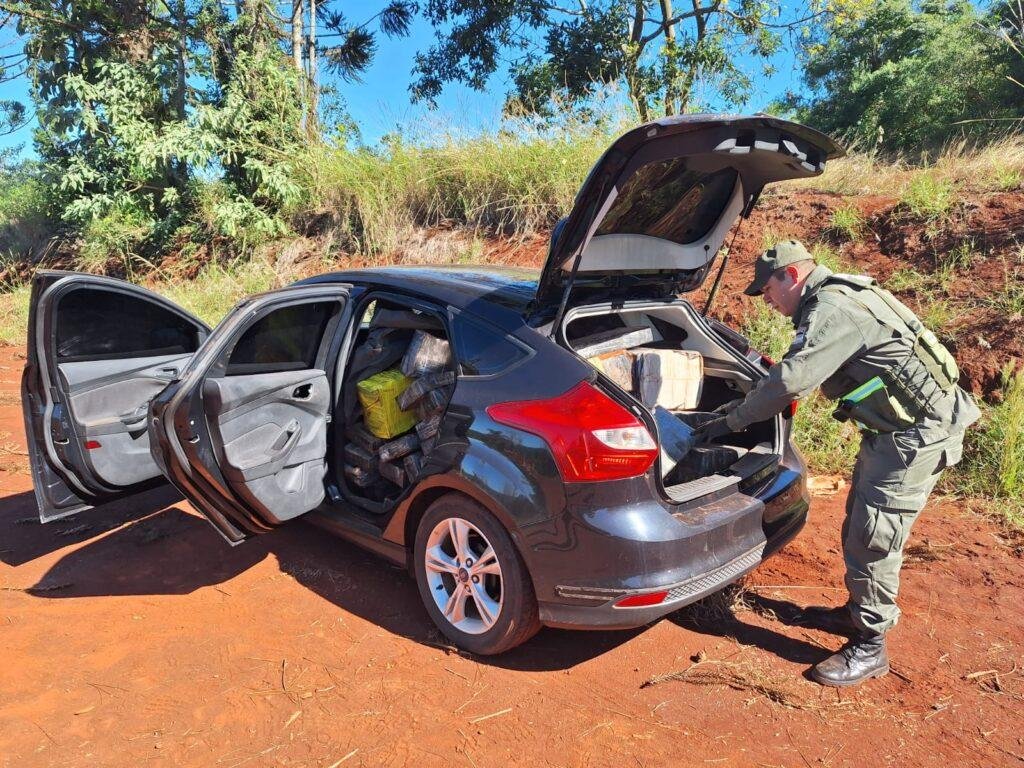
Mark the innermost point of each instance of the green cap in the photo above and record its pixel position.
(784, 253)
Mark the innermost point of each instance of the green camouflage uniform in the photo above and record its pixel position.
(844, 339)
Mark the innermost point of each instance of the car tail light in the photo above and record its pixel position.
(792, 408)
(591, 436)
(92, 445)
(639, 601)
(766, 361)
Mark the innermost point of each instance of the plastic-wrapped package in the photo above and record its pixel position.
(609, 341)
(702, 461)
(427, 444)
(426, 354)
(671, 378)
(675, 438)
(361, 436)
(617, 366)
(357, 456)
(379, 397)
(433, 402)
(422, 385)
(429, 427)
(398, 448)
(411, 464)
(392, 472)
(361, 478)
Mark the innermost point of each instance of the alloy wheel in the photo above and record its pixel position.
(463, 575)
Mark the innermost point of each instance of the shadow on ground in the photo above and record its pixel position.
(149, 545)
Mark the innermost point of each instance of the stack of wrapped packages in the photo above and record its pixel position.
(665, 381)
(402, 410)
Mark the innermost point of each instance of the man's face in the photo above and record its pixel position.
(782, 292)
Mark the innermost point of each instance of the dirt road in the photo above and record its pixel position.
(134, 636)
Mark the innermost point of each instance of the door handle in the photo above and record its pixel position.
(302, 392)
(167, 373)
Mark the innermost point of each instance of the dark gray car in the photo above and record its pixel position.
(536, 488)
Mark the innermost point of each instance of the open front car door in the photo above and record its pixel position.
(98, 351)
(243, 434)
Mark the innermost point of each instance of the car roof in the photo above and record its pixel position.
(502, 295)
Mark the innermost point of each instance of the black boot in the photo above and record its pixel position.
(838, 620)
(862, 658)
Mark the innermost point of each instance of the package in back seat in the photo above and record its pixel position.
(378, 395)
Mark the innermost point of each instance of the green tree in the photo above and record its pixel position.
(657, 52)
(908, 77)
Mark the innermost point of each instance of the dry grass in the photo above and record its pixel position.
(782, 688)
(996, 167)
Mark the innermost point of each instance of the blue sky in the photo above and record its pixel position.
(380, 102)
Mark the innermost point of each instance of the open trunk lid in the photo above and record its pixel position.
(656, 208)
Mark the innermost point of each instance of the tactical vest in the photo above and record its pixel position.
(907, 392)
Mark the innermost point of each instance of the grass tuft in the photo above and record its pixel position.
(929, 197)
(848, 222)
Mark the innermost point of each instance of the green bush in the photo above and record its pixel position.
(119, 237)
(829, 445)
(14, 314)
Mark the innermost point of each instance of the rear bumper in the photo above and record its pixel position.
(690, 557)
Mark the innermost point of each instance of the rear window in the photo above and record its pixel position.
(483, 351)
(287, 339)
(95, 324)
(670, 201)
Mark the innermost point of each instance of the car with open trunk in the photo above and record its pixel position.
(508, 435)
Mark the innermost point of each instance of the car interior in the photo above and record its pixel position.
(375, 463)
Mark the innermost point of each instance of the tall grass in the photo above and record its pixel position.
(993, 464)
(216, 289)
(507, 181)
(995, 166)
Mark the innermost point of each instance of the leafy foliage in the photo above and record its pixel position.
(659, 55)
(907, 76)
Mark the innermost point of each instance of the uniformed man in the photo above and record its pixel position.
(898, 385)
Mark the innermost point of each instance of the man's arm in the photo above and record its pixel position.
(827, 339)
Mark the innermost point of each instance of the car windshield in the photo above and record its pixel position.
(668, 200)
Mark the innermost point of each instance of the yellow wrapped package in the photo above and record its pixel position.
(379, 397)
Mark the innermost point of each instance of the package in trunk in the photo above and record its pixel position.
(671, 378)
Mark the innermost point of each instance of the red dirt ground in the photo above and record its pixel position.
(134, 635)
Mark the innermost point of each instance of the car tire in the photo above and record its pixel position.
(441, 586)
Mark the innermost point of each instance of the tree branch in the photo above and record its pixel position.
(698, 12)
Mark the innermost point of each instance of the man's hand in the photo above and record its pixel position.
(726, 408)
(711, 430)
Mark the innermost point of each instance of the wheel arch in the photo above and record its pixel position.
(402, 528)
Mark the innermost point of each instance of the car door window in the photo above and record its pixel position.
(95, 324)
(285, 340)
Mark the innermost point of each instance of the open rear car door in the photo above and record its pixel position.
(98, 351)
(243, 434)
